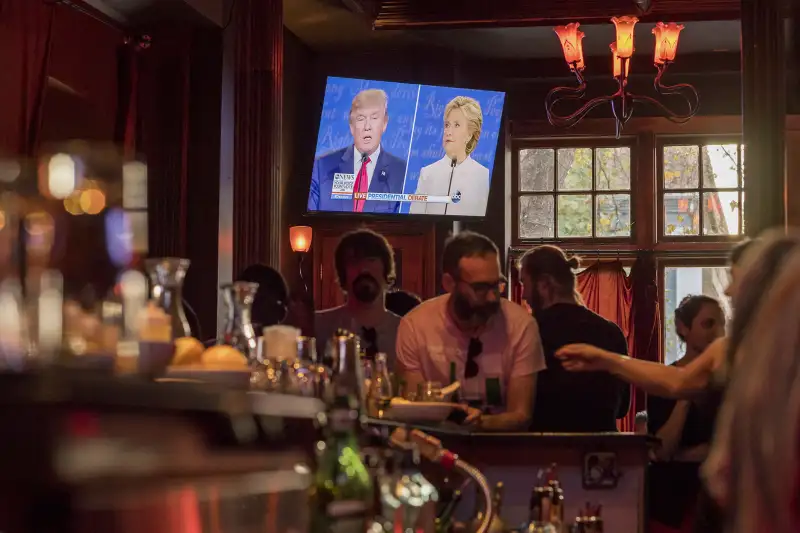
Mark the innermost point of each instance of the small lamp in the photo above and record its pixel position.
(667, 37)
(300, 239)
(572, 44)
(625, 27)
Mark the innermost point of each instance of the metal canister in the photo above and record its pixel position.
(556, 504)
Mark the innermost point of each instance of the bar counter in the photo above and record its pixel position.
(517, 458)
(87, 453)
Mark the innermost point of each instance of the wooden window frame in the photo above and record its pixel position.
(699, 141)
(556, 143)
(717, 259)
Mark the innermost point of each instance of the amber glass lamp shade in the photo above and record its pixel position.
(624, 35)
(667, 36)
(618, 62)
(300, 238)
(572, 44)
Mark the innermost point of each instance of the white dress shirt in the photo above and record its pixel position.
(470, 178)
(373, 162)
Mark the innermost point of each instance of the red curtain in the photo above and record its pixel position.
(607, 290)
(631, 302)
(645, 318)
(26, 34)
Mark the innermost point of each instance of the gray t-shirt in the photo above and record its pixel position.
(328, 321)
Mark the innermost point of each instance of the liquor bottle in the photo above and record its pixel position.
(444, 521)
(540, 502)
(342, 493)
(556, 498)
(347, 377)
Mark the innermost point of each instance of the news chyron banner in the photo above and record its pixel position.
(343, 185)
(409, 141)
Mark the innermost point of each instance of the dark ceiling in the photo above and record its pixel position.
(326, 25)
(335, 25)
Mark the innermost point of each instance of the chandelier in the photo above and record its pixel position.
(622, 101)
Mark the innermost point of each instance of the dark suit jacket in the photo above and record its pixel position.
(388, 177)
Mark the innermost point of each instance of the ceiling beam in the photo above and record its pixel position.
(99, 11)
(429, 14)
(368, 8)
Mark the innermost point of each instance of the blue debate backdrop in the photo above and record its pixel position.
(411, 106)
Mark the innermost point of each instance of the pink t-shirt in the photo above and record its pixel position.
(428, 341)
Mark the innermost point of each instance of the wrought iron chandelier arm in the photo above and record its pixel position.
(570, 120)
(684, 90)
(563, 93)
(669, 114)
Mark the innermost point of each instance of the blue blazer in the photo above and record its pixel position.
(388, 177)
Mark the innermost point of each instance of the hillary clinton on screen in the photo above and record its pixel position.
(456, 172)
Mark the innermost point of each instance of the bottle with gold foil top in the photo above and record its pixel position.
(556, 494)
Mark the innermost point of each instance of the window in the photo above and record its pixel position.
(682, 281)
(573, 192)
(701, 190)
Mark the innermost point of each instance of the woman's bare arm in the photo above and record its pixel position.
(670, 381)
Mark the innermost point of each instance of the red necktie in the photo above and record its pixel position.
(362, 185)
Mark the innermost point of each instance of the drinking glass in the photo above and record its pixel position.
(431, 392)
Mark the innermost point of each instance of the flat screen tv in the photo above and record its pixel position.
(387, 148)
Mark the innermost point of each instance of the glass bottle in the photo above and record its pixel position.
(557, 498)
(166, 279)
(342, 493)
(347, 377)
(238, 331)
(380, 393)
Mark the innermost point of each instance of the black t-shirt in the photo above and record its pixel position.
(577, 402)
(674, 485)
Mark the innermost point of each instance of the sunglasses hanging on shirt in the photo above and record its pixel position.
(474, 349)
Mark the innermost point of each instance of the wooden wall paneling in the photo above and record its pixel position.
(257, 231)
(793, 172)
(764, 114)
(415, 246)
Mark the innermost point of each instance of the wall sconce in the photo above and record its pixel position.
(300, 239)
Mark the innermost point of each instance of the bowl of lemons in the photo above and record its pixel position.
(221, 365)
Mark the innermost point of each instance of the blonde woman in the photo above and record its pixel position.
(457, 172)
(753, 465)
(753, 275)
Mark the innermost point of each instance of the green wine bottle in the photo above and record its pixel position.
(453, 378)
(342, 492)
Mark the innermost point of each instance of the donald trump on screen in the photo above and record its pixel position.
(375, 170)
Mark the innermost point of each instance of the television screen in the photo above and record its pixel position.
(388, 148)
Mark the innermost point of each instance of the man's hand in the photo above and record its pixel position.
(473, 416)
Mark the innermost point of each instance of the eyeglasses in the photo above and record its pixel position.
(483, 288)
(370, 337)
(474, 349)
